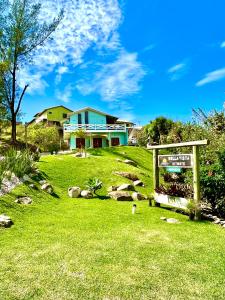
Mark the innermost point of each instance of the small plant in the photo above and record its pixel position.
(94, 184)
(191, 209)
(176, 190)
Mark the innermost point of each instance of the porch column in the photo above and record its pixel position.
(109, 137)
(91, 141)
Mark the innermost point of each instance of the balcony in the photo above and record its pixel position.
(95, 127)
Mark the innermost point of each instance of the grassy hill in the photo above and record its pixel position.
(63, 248)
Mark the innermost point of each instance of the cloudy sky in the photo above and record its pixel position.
(134, 59)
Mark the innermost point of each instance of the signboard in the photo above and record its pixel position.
(173, 169)
(176, 160)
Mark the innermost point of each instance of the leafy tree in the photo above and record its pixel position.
(158, 129)
(142, 137)
(45, 138)
(82, 134)
(20, 34)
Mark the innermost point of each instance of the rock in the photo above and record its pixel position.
(172, 221)
(128, 175)
(126, 187)
(78, 154)
(119, 160)
(224, 226)
(74, 192)
(163, 218)
(138, 183)
(26, 178)
(138, 196)
(112, 188)
(120, 196)
(24, 200)
(42, 182)
(8, 174)
(86, 194)
(5, 221)
(222, 222)
(47, 187)
(130, 162)
(33, 186)
(217, 221)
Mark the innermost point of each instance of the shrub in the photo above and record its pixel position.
(176, 190)
(19, 163)
(94, 184)
(213, 184)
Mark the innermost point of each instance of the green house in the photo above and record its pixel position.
(102, 129)
(52, 116)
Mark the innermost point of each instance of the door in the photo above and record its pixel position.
(97, 142)
(115, 141)
(80, 143)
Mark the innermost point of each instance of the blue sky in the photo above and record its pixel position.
(134, 59)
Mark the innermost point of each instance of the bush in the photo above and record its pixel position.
(19, 163)
(94, 184)
(213, 184)
(176, 190)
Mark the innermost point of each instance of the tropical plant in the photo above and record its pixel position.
(176, 190)
(81, 134)
(94, 184)
(21, 33)
(158, 129)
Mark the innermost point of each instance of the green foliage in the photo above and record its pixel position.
(94, 184)
(45, 138)
(17, 162)
(142, 137)
(158, 129)
(213, 184)
(21, 33)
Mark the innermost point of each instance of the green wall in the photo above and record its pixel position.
(57, 113)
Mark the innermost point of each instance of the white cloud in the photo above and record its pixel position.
(86, 23)
(212, 76)
(177, 71)
(115, 80)
(66, 94)
(59, 72)
(222, 45)
(37, 84)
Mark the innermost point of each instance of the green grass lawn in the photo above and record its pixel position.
(61, 248)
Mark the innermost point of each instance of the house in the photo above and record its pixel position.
(102, 129)
(52, 116)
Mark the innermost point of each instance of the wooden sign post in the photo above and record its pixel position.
(180, 161)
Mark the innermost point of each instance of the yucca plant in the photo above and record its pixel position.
(94, 184)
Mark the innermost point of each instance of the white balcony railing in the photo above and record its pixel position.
(95, 127)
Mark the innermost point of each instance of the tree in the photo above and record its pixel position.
(158, 129)
(45, 138)
(21, 33)
(81, 134)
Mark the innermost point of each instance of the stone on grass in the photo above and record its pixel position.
(120, 196)
(74, 192)
(127, 175)
(138, 183)
(126, 187)
(119, 160)
(47, 187)
(33, 186)
(26, 178)
(112, 188)
(172, 221)
(23, 200)
(138, 196)
(43, 181)
(78, 154)
(86, 194)
(163, 218)
(130, 162)
(5, 221)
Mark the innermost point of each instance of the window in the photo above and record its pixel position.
(115, 141)
(79, 119)
(50, 112)
(86, 117)
(64, 116)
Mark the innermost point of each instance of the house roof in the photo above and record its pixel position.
(43, 111)
(125, 122)
(92, 109)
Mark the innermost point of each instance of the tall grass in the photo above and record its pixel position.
(17, 162)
